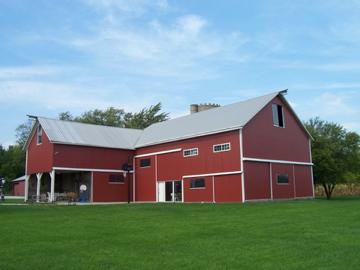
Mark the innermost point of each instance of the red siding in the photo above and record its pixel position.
(228, 188)
(257, 181)
(19, 188)
(74, 156)
(304, 186)
(103, 191)
(40, 157)
(198, 194)
(262, 140)
(283, 191)
(145, 184)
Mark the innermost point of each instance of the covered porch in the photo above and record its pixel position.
(59, 186)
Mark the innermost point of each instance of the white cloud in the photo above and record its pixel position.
(28, 71)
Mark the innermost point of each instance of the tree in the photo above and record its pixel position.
(23, 131)
(146, 117)
(335, 152)
(109, 117)
(67, 116)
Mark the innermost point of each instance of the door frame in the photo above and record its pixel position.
(162, 184)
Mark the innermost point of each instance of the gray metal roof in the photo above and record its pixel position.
(68, 132)
(225, 118)
(215, 120)
(19, 179)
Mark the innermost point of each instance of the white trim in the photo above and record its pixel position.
(242, 166)
(156, 177)
(26, 195)
(212, 174)
(191, 149)
(116, 183)
(271, 184)
(88, 169)
(312, 173)
(221, 144)
(159, 153)
(197, 188)
(52, 186)
(134, 176)
(38, 184)
(182, 191)
(278, 161)
(213, 188)
(26, 162)
(92, 187)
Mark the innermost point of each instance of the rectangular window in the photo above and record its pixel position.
(278, 115)
(116, 178)
(191, 152)
(39, 135)
(197, 183)
(145, 162)
(282, 179)
(222, 147)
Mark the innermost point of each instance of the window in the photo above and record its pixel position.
(278, 115)
(116, 178)
(39, 135)
(222, 147)
(282, 179)
(145, 162)
(191, 152)
(197, 183)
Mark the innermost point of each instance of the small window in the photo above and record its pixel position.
(39, 135)
(197, 183)
(116, 178)
(222, 147)
(191, 152)
(145, 162)
(278, 115)
(282, 179)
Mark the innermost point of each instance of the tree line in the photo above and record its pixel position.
(335, 151)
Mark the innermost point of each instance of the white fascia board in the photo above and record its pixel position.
(159, 153)
(211, 174)
(88, 169)
(278, 161)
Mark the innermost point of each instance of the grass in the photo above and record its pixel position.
(12, 201)
(315, 234)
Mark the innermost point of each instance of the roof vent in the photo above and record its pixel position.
(194, 108)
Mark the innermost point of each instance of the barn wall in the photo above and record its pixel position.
(103, 191)
(228, 188)
(74, 156)
(19, 188)
(257, 181)
(283, 191)
(304, 187)
(173, 166)
(204, 194)
(40, 157)
(263, 140)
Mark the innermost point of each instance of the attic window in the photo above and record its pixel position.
(39, 135)
(278, 115)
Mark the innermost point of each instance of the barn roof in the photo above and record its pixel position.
(216, 120)
(19, 179)
(69, 132)
(228, 117)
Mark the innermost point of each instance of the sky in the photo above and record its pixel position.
(78, 55)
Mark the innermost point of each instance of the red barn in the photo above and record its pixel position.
(256, 149)
(18, 186)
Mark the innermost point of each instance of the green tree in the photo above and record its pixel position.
(109, 117)
(22, 132)
(335, 152)
(66, 116)
(145, 117)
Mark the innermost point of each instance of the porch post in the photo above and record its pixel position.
(52, 186)
(38, 176)
(26, 195)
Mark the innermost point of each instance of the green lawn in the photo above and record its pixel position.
(315, 234)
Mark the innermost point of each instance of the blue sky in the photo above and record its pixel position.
(77, 55)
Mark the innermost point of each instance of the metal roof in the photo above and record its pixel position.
(69, 132)
(216, 120)
(19, 179)
(228, 117)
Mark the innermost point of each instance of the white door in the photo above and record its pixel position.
(161, 191)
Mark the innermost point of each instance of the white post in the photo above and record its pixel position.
(52, 186)
(26, 195)
(38, 176)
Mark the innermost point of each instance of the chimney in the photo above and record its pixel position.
(194, 108)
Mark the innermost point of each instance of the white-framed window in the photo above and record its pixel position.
(278, 115)
(221, 147)
(197, 183)
(191, 152)
(39, 135)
